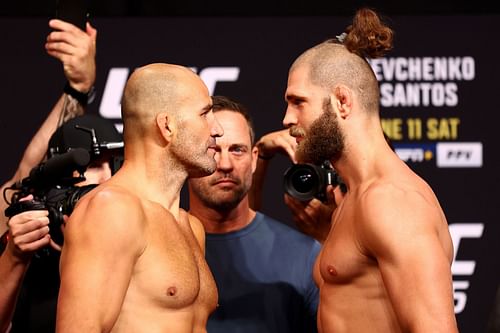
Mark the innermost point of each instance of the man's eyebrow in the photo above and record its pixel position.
(208, 107)
(294, 97)
(238, 145)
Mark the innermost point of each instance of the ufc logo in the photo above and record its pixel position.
(117, 77)
(460, 231)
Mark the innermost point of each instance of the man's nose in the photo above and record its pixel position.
(290, 118)
(224, 160)
(217, 130)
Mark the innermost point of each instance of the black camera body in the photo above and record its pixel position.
(52, 185)
(307, 181)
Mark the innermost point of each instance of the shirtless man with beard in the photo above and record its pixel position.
(385, 265)
(132, 260)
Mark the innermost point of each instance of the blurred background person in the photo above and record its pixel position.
(262, 267)
(29, 272)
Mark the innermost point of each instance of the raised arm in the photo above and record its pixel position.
(311, 217)
(29, 230)
(76, 51)
(269, 145)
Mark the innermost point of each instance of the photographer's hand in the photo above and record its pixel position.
(314, 217)
(277, 142)
(269, 145)
(28, 232)
(76, 49)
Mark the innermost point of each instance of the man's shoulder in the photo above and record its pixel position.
(410, 192)
(112, 193)
(108, 201)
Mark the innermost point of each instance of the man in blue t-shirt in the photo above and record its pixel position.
(262, 267)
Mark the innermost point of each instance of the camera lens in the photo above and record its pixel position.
(301, 181)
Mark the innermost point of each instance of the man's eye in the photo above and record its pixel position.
(238, 150)
(298, 102)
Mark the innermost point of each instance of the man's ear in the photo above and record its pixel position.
(255, 157)
(164, 125)
(343, 99)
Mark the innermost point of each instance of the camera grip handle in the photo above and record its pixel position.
(23, 206)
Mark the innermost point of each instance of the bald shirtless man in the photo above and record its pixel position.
(133, 261)
(386, 263)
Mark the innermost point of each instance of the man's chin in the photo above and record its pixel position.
(203, 171)
(302, 156)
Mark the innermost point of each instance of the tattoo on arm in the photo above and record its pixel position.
(71, 109)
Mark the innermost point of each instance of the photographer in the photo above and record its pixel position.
(28, 231)
(312, 217)
(35, 310)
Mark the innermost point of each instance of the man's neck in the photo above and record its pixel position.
(152, 184)
(218, 221)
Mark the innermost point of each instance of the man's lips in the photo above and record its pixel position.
(225, 181)
(212, 149)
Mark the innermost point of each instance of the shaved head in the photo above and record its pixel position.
(156, 88)
(167, 113)
(330, 64)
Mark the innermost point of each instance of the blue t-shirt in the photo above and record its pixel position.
(264, 279)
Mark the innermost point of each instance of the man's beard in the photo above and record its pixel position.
(324, 139)
(193, 156)
(221, 199)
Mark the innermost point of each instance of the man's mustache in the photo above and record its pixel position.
(225, 177)
(296, 131)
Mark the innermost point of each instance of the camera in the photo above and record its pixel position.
(52, 185)
(74, 146)
(307, 181)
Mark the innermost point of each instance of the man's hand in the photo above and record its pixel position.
(277, 142)
(268, 146)
(76, 50)
(314, 217)
(28, 232)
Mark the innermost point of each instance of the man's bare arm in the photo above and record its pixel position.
(269, 145)
(76, 50)
(30, 231)
(103, 241)
(406, 235)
